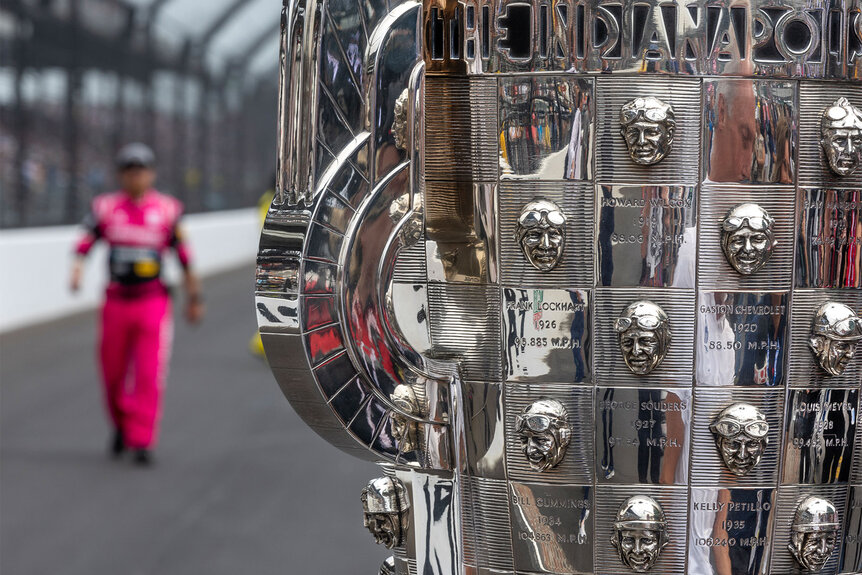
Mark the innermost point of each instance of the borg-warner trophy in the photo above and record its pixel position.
(583, 276)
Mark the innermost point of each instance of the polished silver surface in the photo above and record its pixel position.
(730, 530)
(742, 338)
(546, 128)
(547, 335)
(820, 435)
(750, 131)
(642, 435)
(829, 238)
(551, 528)
(647, 236)
(584, 277)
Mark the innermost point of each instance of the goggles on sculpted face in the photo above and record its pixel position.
(537, 423)
(533, 218)
(848, 326)
(629, 115)
(756, 223)
(650, 322)
(729, 427)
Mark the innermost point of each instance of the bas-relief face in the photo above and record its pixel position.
(405, 430)
(647, 126)
(399, 122)
(384, 508)
(544, 433)
(747, 238)
(640, 533)
(841, 137)
(542, 234)
(639, 548)
(644, 335)
(385, 527)
(740, 435)
(814, 549)
(814, 533)
(835, 333)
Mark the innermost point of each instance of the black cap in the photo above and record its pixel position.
(135, 155)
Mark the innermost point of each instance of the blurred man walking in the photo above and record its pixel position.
(139, 224)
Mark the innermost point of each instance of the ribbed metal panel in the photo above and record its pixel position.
(814, 98)
(803, 368)
(788, 499)
(575, 268)
(577, 466)
(674, 502)
(677, 367)
(713, 270)
(460, 129)
(707, 467)
(465, 324)
(613, 164)
(487, 535)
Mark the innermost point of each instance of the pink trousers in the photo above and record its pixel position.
(136, 341)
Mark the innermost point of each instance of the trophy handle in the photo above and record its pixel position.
(332, 237)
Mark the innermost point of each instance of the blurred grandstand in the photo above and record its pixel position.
(195, 80)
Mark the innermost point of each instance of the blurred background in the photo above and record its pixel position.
(240, 484)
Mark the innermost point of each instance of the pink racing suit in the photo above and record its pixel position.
(136, 318)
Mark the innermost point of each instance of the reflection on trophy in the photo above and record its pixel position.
(747, 238)
(841, 136)
(814, 533)
(385, 506)
(644, 334)
(740, 435)
(834, 334)
(640, 532)
(404, 430)
(544, 431)
(542, 234)
(647, 125)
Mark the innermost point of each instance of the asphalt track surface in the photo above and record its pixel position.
(240, 485)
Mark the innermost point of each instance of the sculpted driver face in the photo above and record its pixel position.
(640, 533)
(383, 527)
(647, 125)
(639, 548)
(747, 238)
(740, 435)
(644, 335)
(542, 234)
(835, 333)
(384, 509)
(841, 136)
(404, 430)
(544, 433)
(814, 533)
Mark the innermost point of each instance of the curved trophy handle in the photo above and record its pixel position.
(330, 243)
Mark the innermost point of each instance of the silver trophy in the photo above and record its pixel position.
(583, 277)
